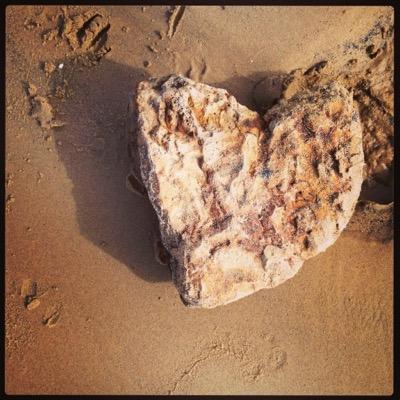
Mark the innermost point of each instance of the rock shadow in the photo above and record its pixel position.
(92, 145)
(257, 91)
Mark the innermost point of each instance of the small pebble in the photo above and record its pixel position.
(28, 290)
(34, 303)
(152, 48)
(51, 321)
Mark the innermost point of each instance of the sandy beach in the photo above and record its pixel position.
(88, 308)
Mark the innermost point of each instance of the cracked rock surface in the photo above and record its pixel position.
(243, 200)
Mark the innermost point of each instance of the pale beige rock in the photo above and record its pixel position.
(242, 200)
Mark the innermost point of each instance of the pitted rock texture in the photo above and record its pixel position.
(367, 69)
(243, 200)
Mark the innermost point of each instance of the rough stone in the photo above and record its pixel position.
(243, 200)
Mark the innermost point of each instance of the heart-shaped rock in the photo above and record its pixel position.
(242, 200)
